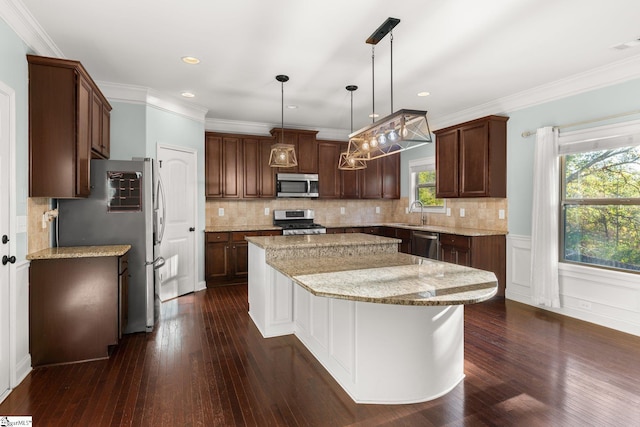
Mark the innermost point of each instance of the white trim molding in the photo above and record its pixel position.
(143, 95)
(22, 22)
(604, 297)
(256, 128)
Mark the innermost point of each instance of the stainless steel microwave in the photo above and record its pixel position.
(297, 185)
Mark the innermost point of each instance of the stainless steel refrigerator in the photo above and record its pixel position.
(125, 207)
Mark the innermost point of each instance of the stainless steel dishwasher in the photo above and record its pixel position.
(425, 244)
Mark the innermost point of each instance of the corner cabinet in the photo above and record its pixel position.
(471, 159)
(329, 176)
(226, 256)
(69, 120)
(381, 178)
(482, 252)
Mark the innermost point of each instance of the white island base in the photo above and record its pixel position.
(378, 353)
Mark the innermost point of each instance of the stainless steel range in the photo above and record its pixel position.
(297, 221)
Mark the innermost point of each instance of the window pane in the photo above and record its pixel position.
(427, 195)
(606, 235)
(603, 174)
(427, 177)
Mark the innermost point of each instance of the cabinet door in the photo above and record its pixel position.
(240, 260)
(232, 167)
(447, 164)
(350, 184)
(267, 173)
(83, 141)
(328, 172)
(372, 180)
(223, 166)
(217, 262)
(213, 166)
(391, 176)
(96, 124)
(252, 168)
(474, 160)
(307, 153)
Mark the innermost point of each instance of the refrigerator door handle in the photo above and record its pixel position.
(160, 193)
(156, 263)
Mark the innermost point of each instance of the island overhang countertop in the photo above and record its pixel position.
(384, 278)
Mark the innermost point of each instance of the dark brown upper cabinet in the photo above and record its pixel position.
(306, 147)
(223, 166)
(69, 121)
(259, 178)
(471, 159)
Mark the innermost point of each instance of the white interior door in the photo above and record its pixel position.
(178, 171)
(5, 246)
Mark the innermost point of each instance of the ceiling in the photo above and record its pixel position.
(464, 52)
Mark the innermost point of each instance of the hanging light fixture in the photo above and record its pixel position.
(397, 132)
(282, 155)
(346, 162)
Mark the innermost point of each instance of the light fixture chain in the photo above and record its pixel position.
(282, 115)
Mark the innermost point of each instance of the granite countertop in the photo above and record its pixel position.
(79, 252)
(390, 279)
(229, 228)
(435, 228)
(319, 240)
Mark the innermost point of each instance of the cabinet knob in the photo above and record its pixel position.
(5, 239)
(192, 229)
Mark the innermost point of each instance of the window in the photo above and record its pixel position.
(423, 184)
(600, 206)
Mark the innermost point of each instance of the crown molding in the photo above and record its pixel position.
(264, 129)
(608, 75)
(142, 95)
(22, 22)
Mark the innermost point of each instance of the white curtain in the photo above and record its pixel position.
(544, 219)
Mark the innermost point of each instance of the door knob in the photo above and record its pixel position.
(5, 239)
(7, 259)
(192, 229)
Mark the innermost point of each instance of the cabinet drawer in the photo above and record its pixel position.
(271, 233)
(462, 242)
(238, 236)
(371, 230)
(217, 237)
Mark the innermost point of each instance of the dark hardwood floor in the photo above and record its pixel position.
(206, 364)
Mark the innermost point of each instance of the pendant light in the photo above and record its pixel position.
(345, 162)
(400, 131)
(282, 155)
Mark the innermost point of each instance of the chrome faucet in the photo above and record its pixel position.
(419, 203)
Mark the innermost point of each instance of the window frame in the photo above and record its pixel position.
(601, 138)
(422, 165)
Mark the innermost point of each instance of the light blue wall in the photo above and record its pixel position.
(14, 73)
(172, 129)
(128, 130)
(591, 105)
(428, 150)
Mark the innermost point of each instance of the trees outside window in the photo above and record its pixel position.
(600, 218)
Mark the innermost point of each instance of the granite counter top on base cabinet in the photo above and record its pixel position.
(80, 252)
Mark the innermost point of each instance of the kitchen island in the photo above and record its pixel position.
(388, 326)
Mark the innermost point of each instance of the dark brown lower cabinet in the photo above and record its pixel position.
(227, 256)
(75, 308)
(482, 252)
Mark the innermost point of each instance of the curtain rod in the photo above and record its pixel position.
(529, 133)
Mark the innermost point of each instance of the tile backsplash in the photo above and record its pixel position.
(479, 213)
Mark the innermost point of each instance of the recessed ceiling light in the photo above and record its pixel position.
(292, 107)
(188, 94)
(423, 94)
(190, 60)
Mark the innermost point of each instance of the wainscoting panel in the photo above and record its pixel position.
(604, 297)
